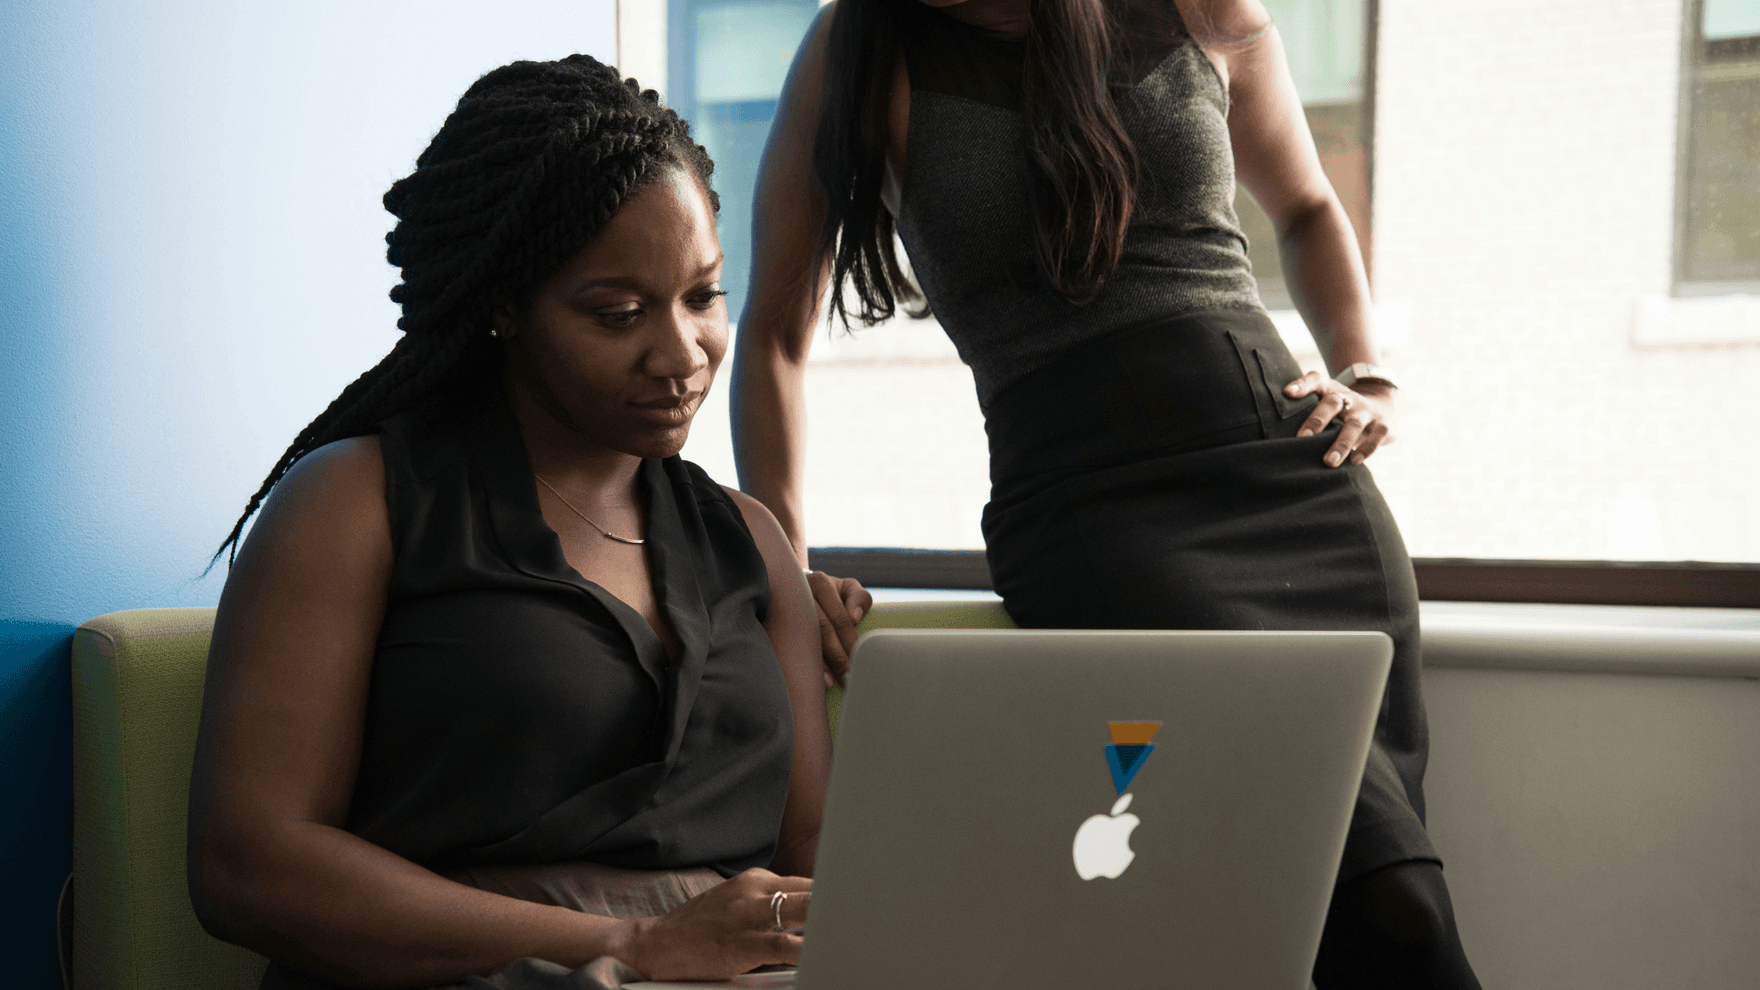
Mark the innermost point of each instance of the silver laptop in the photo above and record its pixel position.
(1057, 808)
(1123, 809)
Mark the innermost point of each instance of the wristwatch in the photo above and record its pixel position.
(1363, 371)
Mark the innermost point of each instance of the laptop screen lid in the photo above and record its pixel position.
(1032, 808)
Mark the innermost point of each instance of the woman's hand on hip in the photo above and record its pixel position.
(1362, 413)
(722, 932)
(842, 603)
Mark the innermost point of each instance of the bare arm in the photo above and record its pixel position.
(789, 272)
(794, 632)
(1275, 159)
(270, 865)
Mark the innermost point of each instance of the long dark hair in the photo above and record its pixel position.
(1083, 167)
(533, 161)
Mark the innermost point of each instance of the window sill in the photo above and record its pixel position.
(1578, 639)
(1600, 639)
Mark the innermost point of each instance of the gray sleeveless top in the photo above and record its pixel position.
(964, 216)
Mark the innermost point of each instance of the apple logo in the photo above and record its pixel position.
(1103, 843)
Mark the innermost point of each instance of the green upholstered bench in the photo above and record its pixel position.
(922, 615)
(137, 697)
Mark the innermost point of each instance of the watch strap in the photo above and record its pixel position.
(1364, 371)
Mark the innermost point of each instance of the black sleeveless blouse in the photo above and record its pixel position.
(519, 713)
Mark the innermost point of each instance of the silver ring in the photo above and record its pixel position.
(1345, 399)
(776, 900)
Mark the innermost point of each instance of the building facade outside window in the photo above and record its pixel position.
(1717, 215)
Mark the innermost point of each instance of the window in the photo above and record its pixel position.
(726, 62)
(1328, 45)
(721, 64)
(1560, 402)
(1717, 215)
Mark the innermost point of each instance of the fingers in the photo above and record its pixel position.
(727, 929)
(831, 647)
(791, 907)
(1362, 424)
(1350, 428)
(856, 599)
(838, 598)
(1362, 430)
(1331, 404)
(1374, 437)
(773, 902)
(789, 885)
(759, 879)
(842, 603)
(782, 948)
(1305, 385)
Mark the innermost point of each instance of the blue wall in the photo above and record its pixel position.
(191, 265)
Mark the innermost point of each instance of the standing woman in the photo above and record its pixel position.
(499, 685)
(1062, 174)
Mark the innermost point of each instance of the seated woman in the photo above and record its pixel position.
(499, 685)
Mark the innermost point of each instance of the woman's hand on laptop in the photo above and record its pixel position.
(842, 603)
(725, 931)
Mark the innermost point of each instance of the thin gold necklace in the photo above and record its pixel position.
(609, 535)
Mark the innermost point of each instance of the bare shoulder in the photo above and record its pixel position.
(807, 74)
(820, 33)
(348, 468)
(1224, 21)
(803, 89)
(1229, 32)
(747, 504)
(347, 476)
(327, 514)
(766, 531)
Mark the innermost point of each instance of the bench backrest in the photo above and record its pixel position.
(137, 698)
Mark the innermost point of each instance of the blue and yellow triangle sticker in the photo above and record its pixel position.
(1132, 742)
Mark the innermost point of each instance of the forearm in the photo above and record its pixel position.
(1324, 273)
(346, 910)
(770, 431)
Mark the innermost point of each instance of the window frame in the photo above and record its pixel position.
(1558, 582)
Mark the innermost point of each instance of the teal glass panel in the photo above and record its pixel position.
(727, 62)
(1731, 19)
(1323, 40)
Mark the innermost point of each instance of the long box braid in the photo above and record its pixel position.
(530, 165)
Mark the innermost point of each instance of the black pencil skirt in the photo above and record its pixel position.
(1152, 479)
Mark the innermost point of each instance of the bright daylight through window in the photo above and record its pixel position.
(1560, 204)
